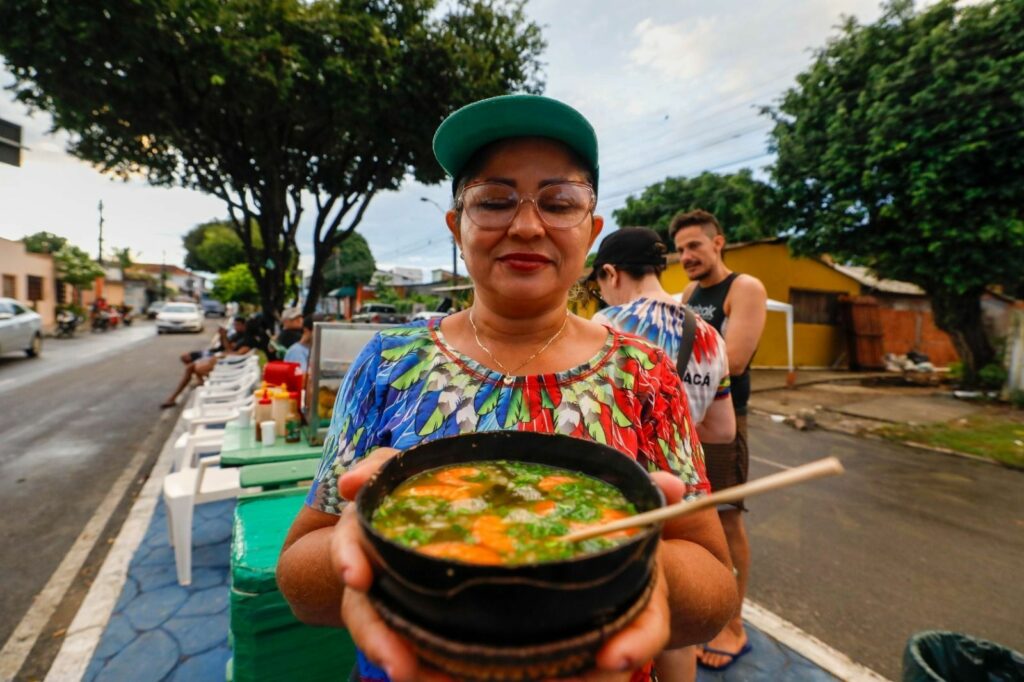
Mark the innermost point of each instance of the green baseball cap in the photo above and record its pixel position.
(478, 124)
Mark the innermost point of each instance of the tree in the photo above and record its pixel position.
(901, 148)
(43, 242)
(744, 206)
(76, 267)
(236, 284)
(350, 265)
(266, 104)
(213, 247)
(123, 258)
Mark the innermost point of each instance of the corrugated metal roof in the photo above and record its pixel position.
(888, 286)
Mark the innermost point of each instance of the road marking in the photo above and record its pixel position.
(24, 637)
(769, 462)
(85, 631)
(806, 645)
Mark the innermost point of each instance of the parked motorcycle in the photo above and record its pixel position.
(100, 321)
(67, 323)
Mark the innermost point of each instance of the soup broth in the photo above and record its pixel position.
(500, 512)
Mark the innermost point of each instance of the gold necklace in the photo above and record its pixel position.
(508, 374)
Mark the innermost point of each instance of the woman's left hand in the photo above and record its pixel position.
(639, 642)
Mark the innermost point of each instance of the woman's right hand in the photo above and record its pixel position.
(379, 643)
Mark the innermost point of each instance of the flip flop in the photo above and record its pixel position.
(734, 656)
(167, 405)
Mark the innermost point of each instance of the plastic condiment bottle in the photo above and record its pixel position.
(280, 409)
(262, 411)
(293, 426)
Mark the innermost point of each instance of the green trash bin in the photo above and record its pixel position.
(955, 657)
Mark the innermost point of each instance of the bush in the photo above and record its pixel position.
(1017, 399)
(956, 371)
(992, 376)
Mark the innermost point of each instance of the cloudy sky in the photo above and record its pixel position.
(671, 86)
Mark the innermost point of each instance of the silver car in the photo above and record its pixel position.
(20, 328)
(179, 317)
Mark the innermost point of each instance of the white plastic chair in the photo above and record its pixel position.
(190, 447)
(183, 490)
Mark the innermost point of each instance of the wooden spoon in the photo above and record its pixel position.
(829, 466)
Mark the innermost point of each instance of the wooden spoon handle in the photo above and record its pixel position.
(829, 466)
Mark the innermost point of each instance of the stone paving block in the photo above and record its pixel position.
(154, 577)
(118, 634)
(209, 666)
(151, 609)
(206, 602)
(159, 556)
(211, 555)
(208, 577)
(128, 592)
(197, 634)
(148, 659)
(211, 532)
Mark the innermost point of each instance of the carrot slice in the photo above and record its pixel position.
(544, 507)
(609, 515)
(462, 551)
(445, 492)
(549, 483)
(491, 531)
(456, 475)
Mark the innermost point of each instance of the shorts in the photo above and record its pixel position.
(199, 354)
(727, 464)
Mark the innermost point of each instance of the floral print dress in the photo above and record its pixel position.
(408, 385)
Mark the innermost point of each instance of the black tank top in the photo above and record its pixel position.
(709, 303)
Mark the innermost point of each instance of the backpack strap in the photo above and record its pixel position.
(686, 342)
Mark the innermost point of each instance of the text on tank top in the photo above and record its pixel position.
(709, 303)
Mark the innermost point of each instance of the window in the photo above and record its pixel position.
(35, 288)
(815, 307)
(61, 294)
(8, 287)
(18, 309)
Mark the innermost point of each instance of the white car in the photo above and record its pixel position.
(20, 328)
(179, 317)
(427, 315)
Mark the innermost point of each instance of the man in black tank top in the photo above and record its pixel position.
(735, 305)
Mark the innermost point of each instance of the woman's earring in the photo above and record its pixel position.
(462, 256)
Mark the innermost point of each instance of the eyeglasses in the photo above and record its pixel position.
(493, 205)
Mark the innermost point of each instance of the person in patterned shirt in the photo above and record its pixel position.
(626, 271)
(525, 173)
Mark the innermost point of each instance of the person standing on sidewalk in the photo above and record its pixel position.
(626, 270)
(735, 305)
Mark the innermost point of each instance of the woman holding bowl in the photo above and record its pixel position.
(525, 172)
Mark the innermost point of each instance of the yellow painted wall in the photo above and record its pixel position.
(814, 345)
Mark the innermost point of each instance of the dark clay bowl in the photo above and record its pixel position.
(530, 604)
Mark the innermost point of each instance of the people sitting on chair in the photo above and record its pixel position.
(299, 351)
(238, 341)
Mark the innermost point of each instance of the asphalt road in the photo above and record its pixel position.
(907, 540)
(71, 420)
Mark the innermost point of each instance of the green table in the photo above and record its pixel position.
(278, 474)
(241, 448)
(267, 642)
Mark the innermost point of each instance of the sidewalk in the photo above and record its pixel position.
(159, 631)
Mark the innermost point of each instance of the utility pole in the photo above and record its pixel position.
(163, 276)
(99, 258)
(455, 248)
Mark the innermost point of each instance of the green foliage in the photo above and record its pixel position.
(992, 376)
(900, 148)
(1017, 399)
(43, 242)
(76, 267)
(264, 104)
(236, 284)
(214, 246)
(744, 206)
(956, 370)
(351, 264)
(123, 257)
(386, 294)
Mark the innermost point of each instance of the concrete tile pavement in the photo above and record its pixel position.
(162, 632)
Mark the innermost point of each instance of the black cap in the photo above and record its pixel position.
(637, 246)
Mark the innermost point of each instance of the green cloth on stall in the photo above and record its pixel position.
(268, 642)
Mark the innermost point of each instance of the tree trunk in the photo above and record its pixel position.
(959, 315)
(321, 254)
